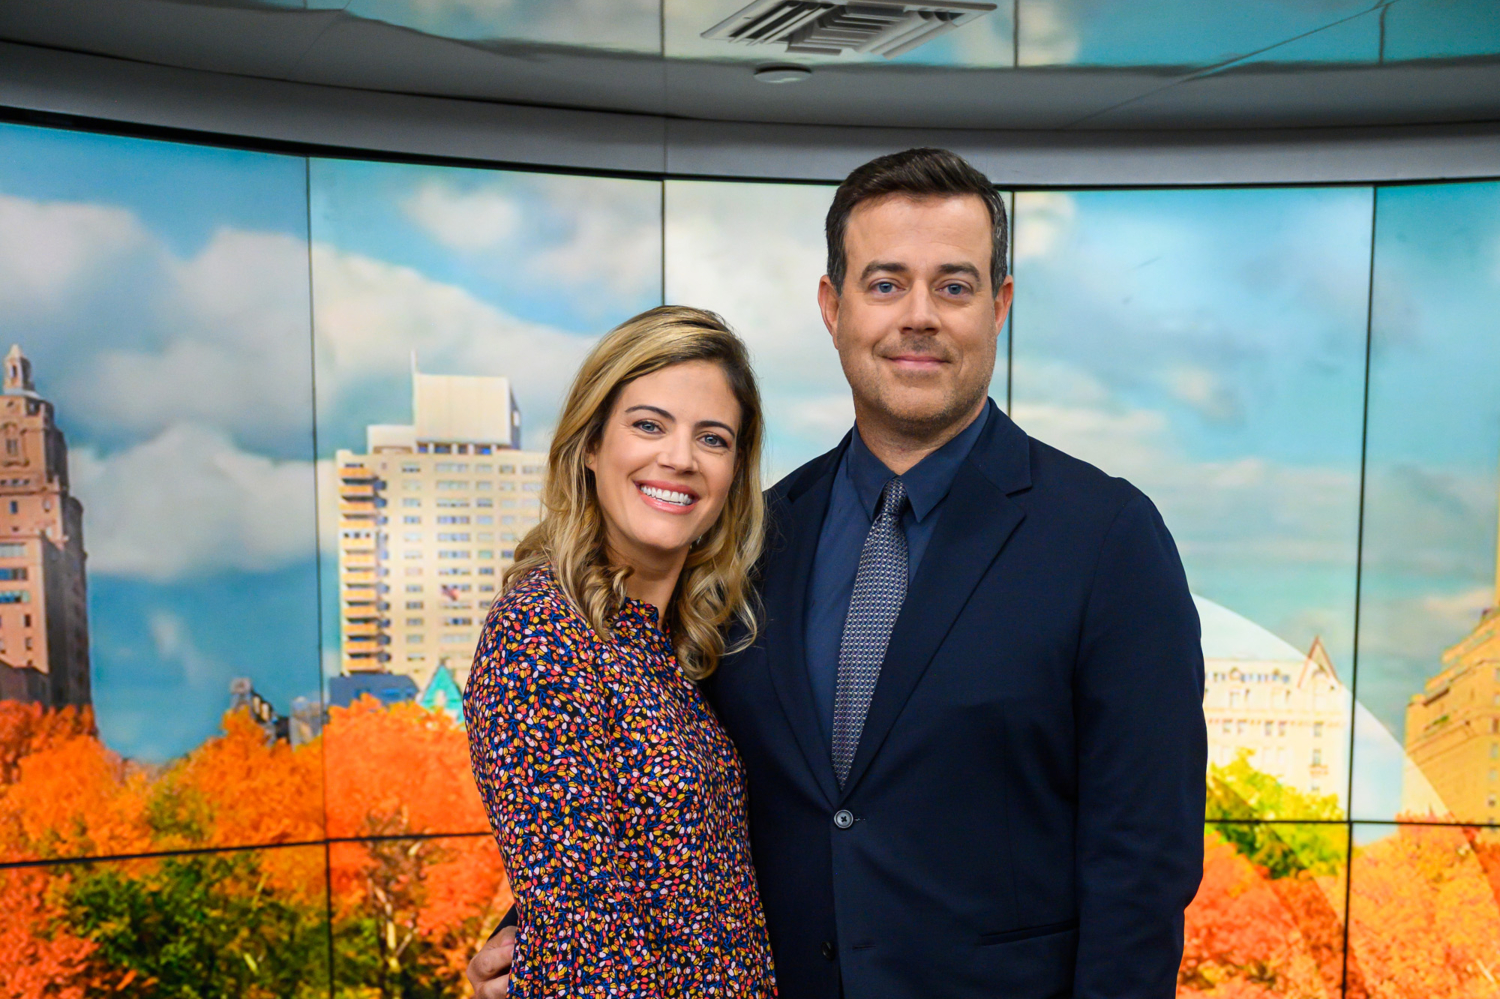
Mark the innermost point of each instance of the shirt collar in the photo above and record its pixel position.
(927, 482)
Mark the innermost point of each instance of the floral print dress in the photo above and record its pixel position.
(619, 805)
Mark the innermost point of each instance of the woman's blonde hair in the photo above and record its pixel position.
(715, 584)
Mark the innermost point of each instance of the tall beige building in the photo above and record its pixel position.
(428, 517)
(1453, 728)
(44, 636)
(1287, 708)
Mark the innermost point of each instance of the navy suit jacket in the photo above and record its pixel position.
(1027, 795)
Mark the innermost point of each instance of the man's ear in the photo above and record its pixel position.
(828, 304)
(1003, 298)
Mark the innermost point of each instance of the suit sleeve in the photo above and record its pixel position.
(537, 730)
(1142, 753)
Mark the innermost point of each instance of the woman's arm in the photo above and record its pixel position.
(537, 736)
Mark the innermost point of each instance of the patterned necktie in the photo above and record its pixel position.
(879, 589)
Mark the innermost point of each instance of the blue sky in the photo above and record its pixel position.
(1209, 346)
(160, 290)
(1434, 435)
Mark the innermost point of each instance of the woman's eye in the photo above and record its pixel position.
(648, 426)
(714, 440)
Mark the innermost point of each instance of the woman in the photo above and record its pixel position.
(617, 799)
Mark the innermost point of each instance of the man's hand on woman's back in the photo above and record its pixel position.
(489, 971)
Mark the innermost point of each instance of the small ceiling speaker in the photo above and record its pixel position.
(782, 74)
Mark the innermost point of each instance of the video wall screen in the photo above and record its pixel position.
(274, 425)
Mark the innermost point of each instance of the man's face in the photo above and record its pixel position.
(916, 323)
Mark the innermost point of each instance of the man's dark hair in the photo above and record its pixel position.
(917, 173)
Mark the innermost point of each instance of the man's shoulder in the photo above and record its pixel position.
(1077, 486)
(795, 483)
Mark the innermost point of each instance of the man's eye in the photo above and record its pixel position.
(956, 289)
(885, 287)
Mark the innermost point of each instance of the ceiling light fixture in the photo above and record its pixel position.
(818, 27)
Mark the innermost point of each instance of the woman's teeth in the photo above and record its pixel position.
(667, 495)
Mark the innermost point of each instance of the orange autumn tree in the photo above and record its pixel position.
(40, 957)
(1423, 921)
(410, 905)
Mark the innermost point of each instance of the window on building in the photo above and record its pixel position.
(12, 549)
(16, 597)
(453, 536)
(486, 553)
(15, 507)
(1317, 730)
(411, 519)
(484, 518)
(1234, 698)
(414, 604)
(488, 570)
(481, 449)
(531, 469)
(410, 553)
(414, 622)
(1489, 802)
(484, 467)
(507, 469)
(28, 649)
(531, 487)
(458, 622)
(1495, 750)
(17, 573)
(1280, 728)
(453, 484)
(456, 571)
(453, 519)
(487, 588)
(453, 503)
(452, 553)
(1268, 729)
(414, 639)
(410, 502)
(1317, 758)
(422, 449)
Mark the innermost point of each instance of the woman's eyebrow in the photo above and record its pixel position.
(651, 409)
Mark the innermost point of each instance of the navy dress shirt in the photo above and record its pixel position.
(857, 485)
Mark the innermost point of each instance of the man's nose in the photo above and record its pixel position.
(921, 311)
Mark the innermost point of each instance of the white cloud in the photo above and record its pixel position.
(370, 316)
(1204, 390)
(1042, 220)
(238, 354)
(189, 502)
(464, 220)
(1048, 35)
(568, 232)
(49, 248)
(173, 640)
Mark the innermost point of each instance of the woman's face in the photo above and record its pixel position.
(666, 460)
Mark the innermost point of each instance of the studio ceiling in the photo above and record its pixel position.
(1028, 64)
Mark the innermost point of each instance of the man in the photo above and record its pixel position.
(973, 718)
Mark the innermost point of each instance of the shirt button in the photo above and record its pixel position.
(843, 818)
(829, 950)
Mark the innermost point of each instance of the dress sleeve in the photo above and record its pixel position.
(537, 725)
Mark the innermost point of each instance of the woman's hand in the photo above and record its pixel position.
(489, 971)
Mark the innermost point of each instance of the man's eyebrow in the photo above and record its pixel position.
(883, 265)
(968, 269)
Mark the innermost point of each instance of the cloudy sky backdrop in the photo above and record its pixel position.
(185, 307)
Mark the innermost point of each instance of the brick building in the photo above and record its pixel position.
(44, 640)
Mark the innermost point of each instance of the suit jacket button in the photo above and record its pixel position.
(829, 950)
(843, 818)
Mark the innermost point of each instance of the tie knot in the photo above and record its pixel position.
(892, 498)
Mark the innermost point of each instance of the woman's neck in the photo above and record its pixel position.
(652, 580)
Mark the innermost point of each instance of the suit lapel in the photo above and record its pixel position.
(975, 521)
(785, 594)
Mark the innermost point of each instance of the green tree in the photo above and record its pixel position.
(1238, 792)
(196, 927)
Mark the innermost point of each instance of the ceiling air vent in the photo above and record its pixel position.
(813, 27)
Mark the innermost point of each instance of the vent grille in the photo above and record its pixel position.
(817, 27)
